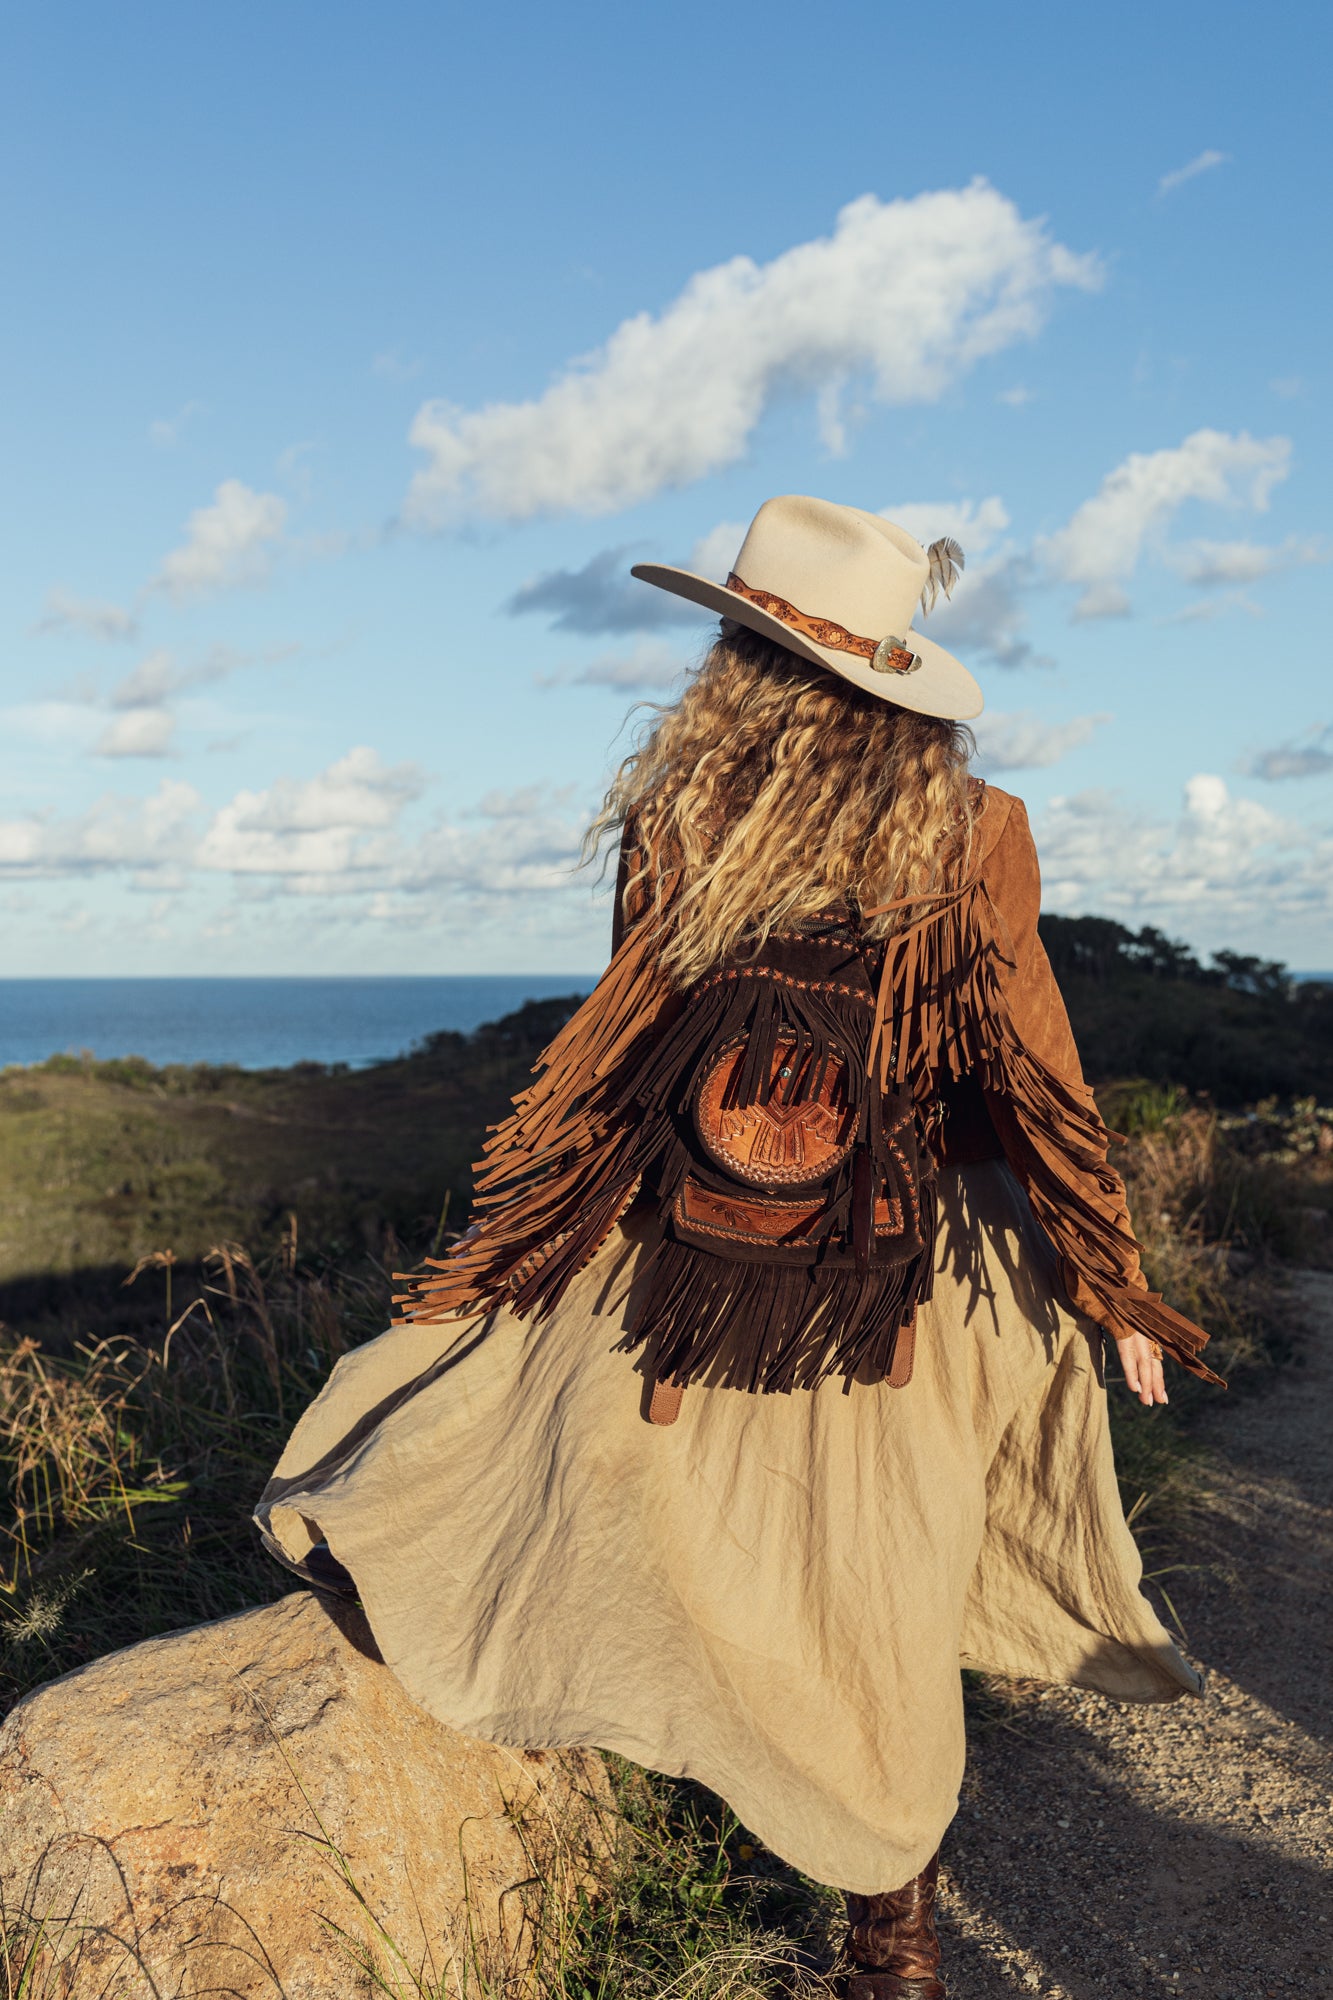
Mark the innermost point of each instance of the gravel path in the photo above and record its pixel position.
(1105, 1850)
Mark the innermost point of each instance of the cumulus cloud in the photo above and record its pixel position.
(601, 597)
(1100, 546)
(985, 616)
(974, 524)
(1021, 741)
(137, 732)
(515, 843)
(1202, 163)
(1311, 757)
(649, 666)
(113, 834)
(714, 553)
(604, 597)
(327, 826)
(228, 542)
(100, 620)
(1203, 610)
(1224, 564)
(151, 681)
(1224, 861)
(905, 296)
(159, 675)
(335, 839)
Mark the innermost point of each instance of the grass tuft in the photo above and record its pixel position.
(131, 1465)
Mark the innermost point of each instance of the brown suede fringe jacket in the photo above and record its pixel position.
(969, 1018)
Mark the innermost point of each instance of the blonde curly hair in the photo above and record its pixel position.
(774, 788)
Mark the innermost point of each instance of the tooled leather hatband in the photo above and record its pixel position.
(886, 656)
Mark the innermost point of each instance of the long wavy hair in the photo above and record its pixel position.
(774, 788)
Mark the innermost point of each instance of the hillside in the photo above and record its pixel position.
(104, 1163)
(1236, 1030)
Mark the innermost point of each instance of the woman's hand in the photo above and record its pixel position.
(1141, 1360)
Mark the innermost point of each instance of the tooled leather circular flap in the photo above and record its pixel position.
(792, 1140)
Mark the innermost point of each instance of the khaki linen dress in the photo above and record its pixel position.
(774, 1594)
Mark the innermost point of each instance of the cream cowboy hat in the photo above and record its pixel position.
(840, 587)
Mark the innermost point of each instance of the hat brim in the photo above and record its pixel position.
(940, 686)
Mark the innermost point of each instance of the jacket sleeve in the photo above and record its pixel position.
(1048, 1123)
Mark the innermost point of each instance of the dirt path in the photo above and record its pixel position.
(1106, 1851)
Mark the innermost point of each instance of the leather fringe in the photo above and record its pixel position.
(563, 1168)
(560, 1171)
(942, 1010)
(769, 1328)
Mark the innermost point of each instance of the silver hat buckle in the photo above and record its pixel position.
(883, 662)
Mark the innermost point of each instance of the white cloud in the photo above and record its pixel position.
(1021, 741)
(1312, 757)
(94, 616)
(59, 725)
(650, 665)
(1230, 563)
(910, 294)
(1225, 862)
(1202, 163)
(985, 615)
(1203, 610)
(158, 676)
(155, 677)
(527, 842)
(1100, 546)
(114, 833)
(229, 542)
(334, 840)
(604, 597)
(714, 553)
(601, 597)
(137, 732)
(327, 826)
(974, 525)
(1016, 397)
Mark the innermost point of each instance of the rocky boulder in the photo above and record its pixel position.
(255, 1808)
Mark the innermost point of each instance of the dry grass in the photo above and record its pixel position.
(131, 1464)
(1218, 1223)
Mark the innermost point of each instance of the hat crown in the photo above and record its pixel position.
(835, 562)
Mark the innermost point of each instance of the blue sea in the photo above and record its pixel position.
(255, 1023)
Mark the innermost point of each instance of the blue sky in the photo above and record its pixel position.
(352, 355)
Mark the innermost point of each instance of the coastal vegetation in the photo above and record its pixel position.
(185, 1252)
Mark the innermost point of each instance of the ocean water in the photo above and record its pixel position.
(255, 1023)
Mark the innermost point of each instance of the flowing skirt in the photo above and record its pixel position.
(775, 1594)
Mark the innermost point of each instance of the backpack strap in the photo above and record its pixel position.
(904, 1354)
(664, 1406)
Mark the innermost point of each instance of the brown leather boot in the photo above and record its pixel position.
(894, 1952)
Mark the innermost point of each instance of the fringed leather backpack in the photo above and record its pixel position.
(768, 1115)
(796, 1196)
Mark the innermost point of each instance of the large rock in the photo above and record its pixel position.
(255, 1808)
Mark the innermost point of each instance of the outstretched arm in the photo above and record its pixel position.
(1056, 1141)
